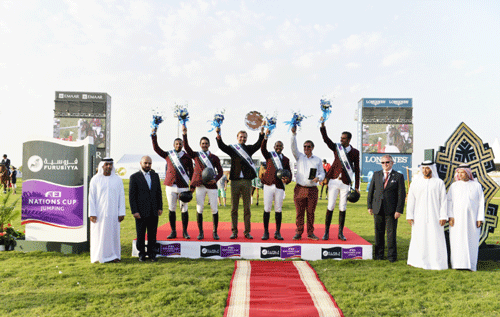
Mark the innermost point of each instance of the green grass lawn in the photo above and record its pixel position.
(54, 284)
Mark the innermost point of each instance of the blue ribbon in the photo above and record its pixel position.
(296, 120)
(217, 121)
(271, 124)
(326, 108)
(157, 119)
(182, 114)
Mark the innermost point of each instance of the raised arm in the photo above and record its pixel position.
(295, 150)
(327, 140)
(263, 148)
(222, 146)
(187, 148)
(157, 148)
(257, 145)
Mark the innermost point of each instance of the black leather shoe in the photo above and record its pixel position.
(185, 235)
(201, 236)
(248, 236)
(326, 236)
(172, 235)
(312, 237)
(215, 235)
(278, 236)
(266, 235)
(142, 258)
(297, 237)
(233, 236)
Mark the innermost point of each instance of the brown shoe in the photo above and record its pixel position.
(312, 237)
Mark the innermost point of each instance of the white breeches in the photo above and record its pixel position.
(172, 193)
(337, 188)
(201, 192)
(271, 193)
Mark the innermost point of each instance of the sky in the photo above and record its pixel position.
(275, 57)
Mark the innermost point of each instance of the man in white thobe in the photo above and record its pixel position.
(427, 214)
(106, 211)
(466, 210)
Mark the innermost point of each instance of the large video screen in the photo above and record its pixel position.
(74, 129)
(387, 138)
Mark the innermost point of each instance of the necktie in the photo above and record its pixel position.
(148, 179)
(386, 178)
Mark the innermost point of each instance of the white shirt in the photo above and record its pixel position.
(304, 165)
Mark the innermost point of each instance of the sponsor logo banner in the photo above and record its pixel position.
(371, 163)
(391, 102)
(352, 253)
(291, 252)
(233, 250)
(270, 252)
(170, 249)
(331, 253)
(210, 250)
(52, 204)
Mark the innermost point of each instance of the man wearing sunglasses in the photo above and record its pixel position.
(305, 194)
(386, 201)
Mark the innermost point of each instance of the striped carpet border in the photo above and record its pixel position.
(238, 302)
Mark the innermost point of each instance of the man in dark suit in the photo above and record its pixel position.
(386, 201)
(241, 174)
(146, 204)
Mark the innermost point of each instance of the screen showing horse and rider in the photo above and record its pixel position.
(388, 138)
(73, 129)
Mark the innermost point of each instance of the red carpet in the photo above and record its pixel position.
(282, 288)
(287, 231)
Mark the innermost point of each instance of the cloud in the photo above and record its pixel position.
(395, 58)
(352, 65)
(365, 40)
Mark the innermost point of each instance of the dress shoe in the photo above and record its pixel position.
(326, 236)
(278, 236)
(142, 258)
(248, 236)
(215, 235)
(172, 235)
(297, 236)
(233, 236)
(266, 235)
(312, 237)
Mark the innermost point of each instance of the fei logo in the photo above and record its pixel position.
(35, 163)
(53, 194)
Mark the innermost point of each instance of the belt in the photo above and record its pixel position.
(306, 186)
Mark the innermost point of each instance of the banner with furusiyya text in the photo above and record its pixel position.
(54, 205)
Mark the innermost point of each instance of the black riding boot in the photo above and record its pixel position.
(341, 225)
(216, 224)
(185, 221)
(277, 234)
(171, 219)
(199, 219)
(328, 221)
(266, 226)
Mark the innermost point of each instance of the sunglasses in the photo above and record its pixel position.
(307, 146)
(388, 162)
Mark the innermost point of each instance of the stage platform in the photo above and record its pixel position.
(354, 248)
